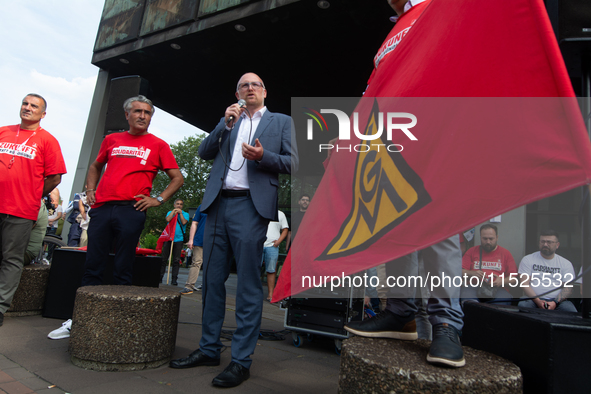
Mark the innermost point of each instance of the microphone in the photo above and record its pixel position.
(241, 104)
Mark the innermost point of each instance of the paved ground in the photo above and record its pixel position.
(30, 362)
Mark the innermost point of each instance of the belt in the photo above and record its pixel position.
(121, 203)
(235, 193)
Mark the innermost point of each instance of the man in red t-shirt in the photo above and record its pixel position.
(31, 165)
(120, 201)
(490, 263)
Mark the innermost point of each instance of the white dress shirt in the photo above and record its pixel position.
(238, 180)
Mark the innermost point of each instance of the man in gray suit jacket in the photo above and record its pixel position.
(250, 147)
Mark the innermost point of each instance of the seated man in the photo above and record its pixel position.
(491, 263)
(543, 274)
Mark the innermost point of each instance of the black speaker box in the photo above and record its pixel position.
(571, 19)
(553, 349)
(121, 89)
(65, 277)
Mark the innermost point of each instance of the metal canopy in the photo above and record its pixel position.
(298, 48)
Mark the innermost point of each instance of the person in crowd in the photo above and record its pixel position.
(276, 233)
(492, 267)
(120, 201)
(296, 218)
(544, 274)
(55, 213)
(75, 231)
(250, 147)
(445, 313)
(196, 246)
(182, 218)
(31, 165)
(83, 218)
(36, 238)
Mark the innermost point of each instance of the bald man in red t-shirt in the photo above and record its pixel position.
(31, 165)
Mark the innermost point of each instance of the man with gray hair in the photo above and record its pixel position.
(31, 165)
(120, 201)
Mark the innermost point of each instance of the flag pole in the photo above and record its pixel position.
(169, 260)
(175, 218)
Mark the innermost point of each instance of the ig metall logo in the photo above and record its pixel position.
(385, 190)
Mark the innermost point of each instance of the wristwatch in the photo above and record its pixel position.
(160, 199)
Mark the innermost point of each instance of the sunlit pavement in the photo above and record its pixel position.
(30, 362)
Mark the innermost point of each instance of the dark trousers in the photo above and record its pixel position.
(122, 223)
(74, 234)
(14, 237)
(176, 259)
(51, 247)
(233, 228)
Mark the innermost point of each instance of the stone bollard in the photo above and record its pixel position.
(123, 328)
(30, 294)
(374, 365)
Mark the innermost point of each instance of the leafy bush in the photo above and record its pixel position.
(149, 241)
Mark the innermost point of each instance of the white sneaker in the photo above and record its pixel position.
(62, 332)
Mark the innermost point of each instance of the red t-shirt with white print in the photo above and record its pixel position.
(132, 164)
(27, 157)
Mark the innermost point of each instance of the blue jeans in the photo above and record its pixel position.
(122, 223)
(74, 234)
(270, 257)
(502, 297)
(565, 306)
(444, 303)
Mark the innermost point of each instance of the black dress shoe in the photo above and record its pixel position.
(195, 359)
(233, 375)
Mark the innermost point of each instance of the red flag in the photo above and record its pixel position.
(167, 234)
(521, 138)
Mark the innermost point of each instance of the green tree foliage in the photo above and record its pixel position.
(297, 187)
(149, 241)
(194, 169)
(290, 189)
(284, 192)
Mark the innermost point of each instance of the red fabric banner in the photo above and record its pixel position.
(138, 251)
(167, 234)
(521, 138)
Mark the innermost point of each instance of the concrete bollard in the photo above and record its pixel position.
(374, 365)
(30, 294)
(123, 328)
